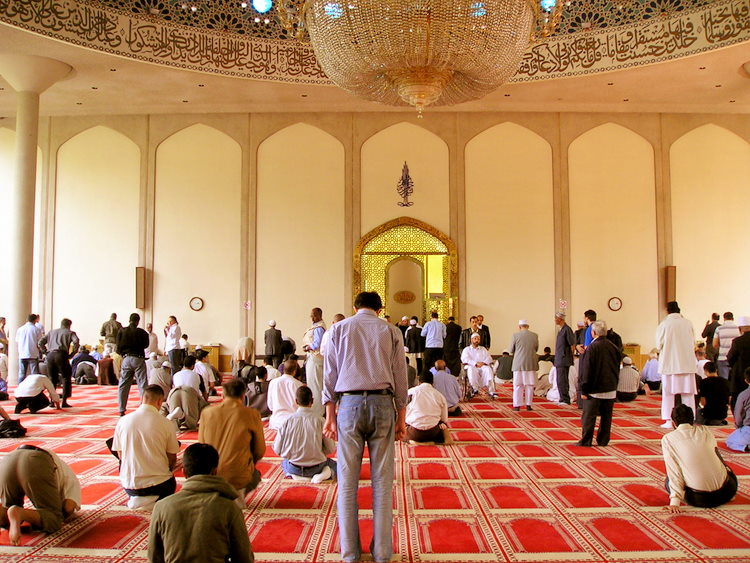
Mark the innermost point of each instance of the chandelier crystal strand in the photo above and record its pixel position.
(420, 52)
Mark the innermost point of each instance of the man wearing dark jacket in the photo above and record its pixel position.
(738, 358)
(598, 373)
(131, 345)
(450, 346)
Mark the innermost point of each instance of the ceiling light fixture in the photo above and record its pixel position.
(419, 52)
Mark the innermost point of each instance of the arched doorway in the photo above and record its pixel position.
(413, 267)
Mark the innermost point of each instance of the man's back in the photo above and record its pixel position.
(448, 386)
(524, 347)
(427, 407)
(690, 458)
(280, 399)
(199, 523)
(675, 340)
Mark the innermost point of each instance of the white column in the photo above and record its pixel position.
(29, 76)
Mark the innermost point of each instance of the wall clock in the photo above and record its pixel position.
(196, 303)
(614, 303)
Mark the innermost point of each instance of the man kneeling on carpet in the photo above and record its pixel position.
(201, 522)
(739, 440)
(696, 473)
(30, 394)
(301, 445)
(426, 413)
(50, 484)
(146, 445)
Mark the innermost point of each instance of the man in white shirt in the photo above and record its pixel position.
(426, 413)
(189, 393)
(301, 445)
(723, 336)
(282, 393)
(3, 368)
(172, 334)
(50, 484)
(203, 368)
(433, 333)
(675, 341)
(271, 372)
(30, 394)
(478, 364)
(27, 338)
(147, 448)
(696, 473)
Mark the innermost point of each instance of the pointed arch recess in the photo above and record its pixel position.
(405, 237)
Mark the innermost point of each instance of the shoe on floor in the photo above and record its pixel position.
(667, 424)
(516, 409)
(528, 408)
(582, 445)
(324, 475)
(66, 405)
(122, 413)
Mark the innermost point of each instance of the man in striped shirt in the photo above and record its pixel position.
(365, 373)
(723, 336)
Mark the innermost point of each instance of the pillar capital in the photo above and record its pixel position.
(30, 73)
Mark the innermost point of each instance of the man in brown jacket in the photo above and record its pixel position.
(237, 433)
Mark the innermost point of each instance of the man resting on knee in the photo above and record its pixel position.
(426, 413)
(301, 445)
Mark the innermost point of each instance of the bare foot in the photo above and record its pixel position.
(14, 531)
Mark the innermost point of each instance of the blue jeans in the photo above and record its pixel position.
(30, 365)
(367, 420)
(739, 440)
(723, 369)
(291, 469)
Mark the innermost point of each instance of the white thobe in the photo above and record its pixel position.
(478, 376)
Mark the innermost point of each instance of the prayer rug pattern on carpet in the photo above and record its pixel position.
(512, 488)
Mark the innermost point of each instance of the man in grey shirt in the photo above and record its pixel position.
(62, 343)
(523, 347)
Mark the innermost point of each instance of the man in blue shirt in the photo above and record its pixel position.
(433, 333)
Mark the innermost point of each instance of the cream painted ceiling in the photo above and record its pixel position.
(714, 82)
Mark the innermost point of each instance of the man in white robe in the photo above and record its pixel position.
(478, 363)
(675, 341)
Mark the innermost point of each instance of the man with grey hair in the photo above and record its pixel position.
(565, 345)
(523, 348)
(598, 373)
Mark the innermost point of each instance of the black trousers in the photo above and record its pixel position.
(176, 359)
(430, 356)
(563, 384)
(35, 403)
(453, 361)
(58, 366)
(592, 408)
(711, 499)
(162, 490)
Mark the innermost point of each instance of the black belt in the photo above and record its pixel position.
(32, 447)
(134, 356)
(366, 392)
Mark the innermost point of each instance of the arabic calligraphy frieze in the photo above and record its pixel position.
(719, 25)
(679, 33)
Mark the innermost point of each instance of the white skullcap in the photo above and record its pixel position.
(627, 361)
(166, 365)
(413, 322)
(404, 318)
(473, 334)
(743, 321)
(271, 323)
(523, 322)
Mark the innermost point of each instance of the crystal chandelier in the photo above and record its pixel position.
(419, 52)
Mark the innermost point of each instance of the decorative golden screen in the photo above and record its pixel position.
(409, 238)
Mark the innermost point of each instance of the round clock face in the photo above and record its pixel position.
(196, 303)
(615, 303)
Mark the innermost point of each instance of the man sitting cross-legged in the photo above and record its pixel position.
(201, 522)
(281, 395)
(189, 393)
(478, 363)
(739, 440)
(147, 447)
(301, 444)
(30, 394)
(696, 473)
(448, 386)
(426, 413)
(237, 433)
(50, 484)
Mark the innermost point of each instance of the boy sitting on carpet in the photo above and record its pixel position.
(426, 413)
(739, 440)
(301, 444)
(713, 394)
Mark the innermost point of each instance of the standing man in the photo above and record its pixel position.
(484, 332)
(523, 348)
(27, 338)
(466, 334)
(62, 343)
(153, 341)
(565, 345)
(273, 341)
(131, 343)
(723, 337)
(414, 343)
(172, 347)
(675, 341)
(738, 359)
(600, 366)
(708, 333)
(109, 331)
(311, 341)
(433, 333)
(147, 448)
(365, 373)
(451, 351)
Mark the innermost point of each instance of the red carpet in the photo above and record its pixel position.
(512, 488)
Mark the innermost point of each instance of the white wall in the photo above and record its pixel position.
(383, 157)
(300, 231)
(613, 231)
(510, 261)
(710, 177)
(96, 230)
(197, 235)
